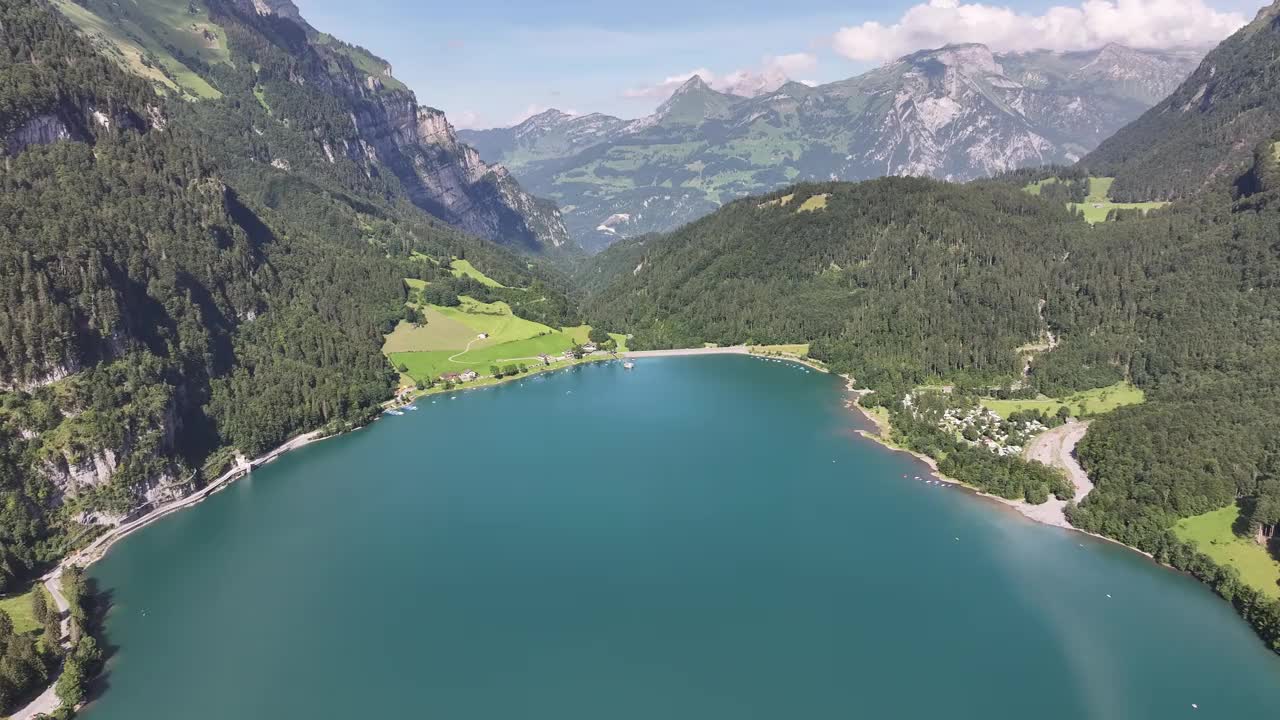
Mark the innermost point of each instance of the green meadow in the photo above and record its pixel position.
(1213, 535)
(450, 339)
(18, 608)
(1098, 203)
(1081, 404)
(464, 268)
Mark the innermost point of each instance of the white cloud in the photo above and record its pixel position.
(773, 71)
(1092, 24)
(465, 120)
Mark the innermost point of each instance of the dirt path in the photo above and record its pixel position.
(452, 358)
(1056, 448)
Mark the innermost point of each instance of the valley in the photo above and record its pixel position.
(1052, 275)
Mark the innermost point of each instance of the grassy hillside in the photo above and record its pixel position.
(155, 39)
(474, 335)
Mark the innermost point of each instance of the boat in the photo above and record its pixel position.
(410, 407)
(628, 365)
(394, 412)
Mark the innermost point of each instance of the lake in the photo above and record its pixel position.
(696, 538)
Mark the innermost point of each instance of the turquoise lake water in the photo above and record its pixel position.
(698, 538)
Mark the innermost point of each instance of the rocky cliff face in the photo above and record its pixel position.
(450, 177)
(355, 109)
(419, 146)
(71, 120)
(957, 113)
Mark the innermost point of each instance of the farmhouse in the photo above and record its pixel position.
(546, 359)
(589, 348)
(469, 375)
(452, 377)
(570, 355)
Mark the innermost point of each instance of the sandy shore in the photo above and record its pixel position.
(47, 702)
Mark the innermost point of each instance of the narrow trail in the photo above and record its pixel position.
(467, 349)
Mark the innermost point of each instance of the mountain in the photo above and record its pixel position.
(373, 120)
(547, 135)
(693, 103)
(996, 288)
(1206, 131)
(958, 113)
(196, 272)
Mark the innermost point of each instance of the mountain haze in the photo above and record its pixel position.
(957, 113)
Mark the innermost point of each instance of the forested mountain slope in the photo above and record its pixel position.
(1205, 132)
(904, 282)
(171, 295)
(342, 100)
(957, 112)
(904, 278)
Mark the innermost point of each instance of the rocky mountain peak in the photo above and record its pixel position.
(693, 84)
(279, 8)
(546, 118)
(970, 58)
(692, 103)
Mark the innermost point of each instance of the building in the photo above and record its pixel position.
(570, 355)
(468, 375)
(589, 348)
(546, 359)
(451, 377)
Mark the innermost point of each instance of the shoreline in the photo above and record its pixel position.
(410, 398)
(1021, 507)
(47, 702)
(488, 381)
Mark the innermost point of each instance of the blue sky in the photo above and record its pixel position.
(493, 62)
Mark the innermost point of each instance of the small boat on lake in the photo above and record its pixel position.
(628, 365)
(394, 412)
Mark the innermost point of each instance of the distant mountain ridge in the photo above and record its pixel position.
(1208, 130)
(958, 112)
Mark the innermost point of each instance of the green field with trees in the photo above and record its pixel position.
(1214, 534)
(1098, 206)
(1081, 404)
